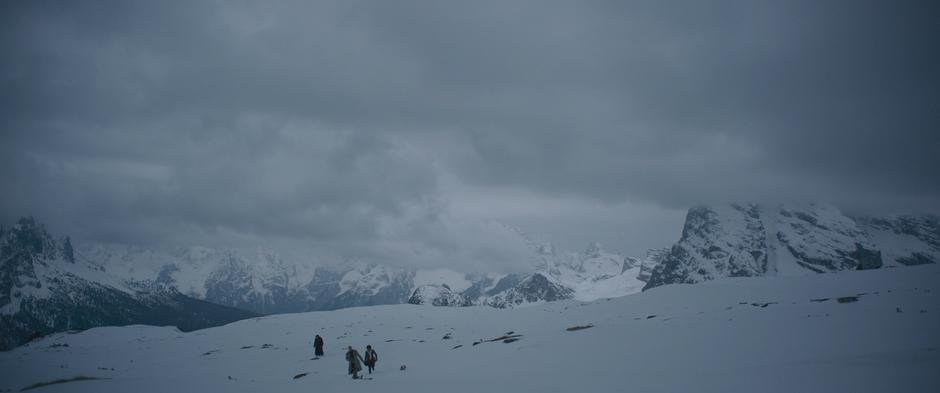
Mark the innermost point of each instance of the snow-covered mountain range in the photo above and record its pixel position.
(260, 281)
(588, 275)
(746, 240)
(44, 288)
(48, 284)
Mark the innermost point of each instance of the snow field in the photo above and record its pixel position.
(865, 331)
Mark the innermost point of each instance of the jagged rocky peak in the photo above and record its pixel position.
(26, 248)
(753, 240)
(44, 289)
(630, 263)
(652, 259)
(725, 241)
(533, 288)
(437, 295)
(29, 237)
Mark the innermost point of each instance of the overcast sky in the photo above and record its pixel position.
(403, 131)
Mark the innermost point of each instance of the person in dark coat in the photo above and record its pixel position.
(355, 362)
(371, 358)
(318, 346)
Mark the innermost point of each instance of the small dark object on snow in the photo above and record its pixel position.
(58, 381)
(230, 378)
(763, 305)
(581, 327)
(208, 353)
(847, 299)
(446, 337)
(403, 367)
(477, 342)
(266, 346)
(390, 340)
(248, 346)
(458, 346)
(650, 316)
(299, 376)
(820, 300)
(503, 338)
(742, 302)
(420, 341)
(898, 309)
(509, 340)
(510, 333)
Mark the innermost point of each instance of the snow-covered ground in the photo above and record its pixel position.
(864, 331)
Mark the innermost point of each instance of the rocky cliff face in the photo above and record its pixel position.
(44, 290)
(742, 240)
(904, 240)
(652, 259)
(438, 295)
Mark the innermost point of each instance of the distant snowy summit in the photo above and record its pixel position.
(588, 275)
(746, 240)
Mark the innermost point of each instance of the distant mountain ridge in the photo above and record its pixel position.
(746, 240)
(44, 289)
(262, 282)
(588, 275)
(48, 284)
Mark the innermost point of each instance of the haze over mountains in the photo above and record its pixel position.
(197, 286)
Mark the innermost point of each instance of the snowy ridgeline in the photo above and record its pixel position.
(860, 331)
(48, 286)
(260, 281)
(748, 240)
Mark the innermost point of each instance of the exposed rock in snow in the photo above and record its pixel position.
(437, 295)
(751, 240)
(653, 258)
(44, 289)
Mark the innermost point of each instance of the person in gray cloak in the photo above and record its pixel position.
(355, 362)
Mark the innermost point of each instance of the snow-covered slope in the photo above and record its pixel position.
(44, 289)
(747, 240)
(859, 331)
(904, 240)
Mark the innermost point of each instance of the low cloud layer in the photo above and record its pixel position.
(401, 131)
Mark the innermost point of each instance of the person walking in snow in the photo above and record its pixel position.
(371, 358)
(355, 362)
(318, 346)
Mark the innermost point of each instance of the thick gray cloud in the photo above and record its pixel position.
(371, 129)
